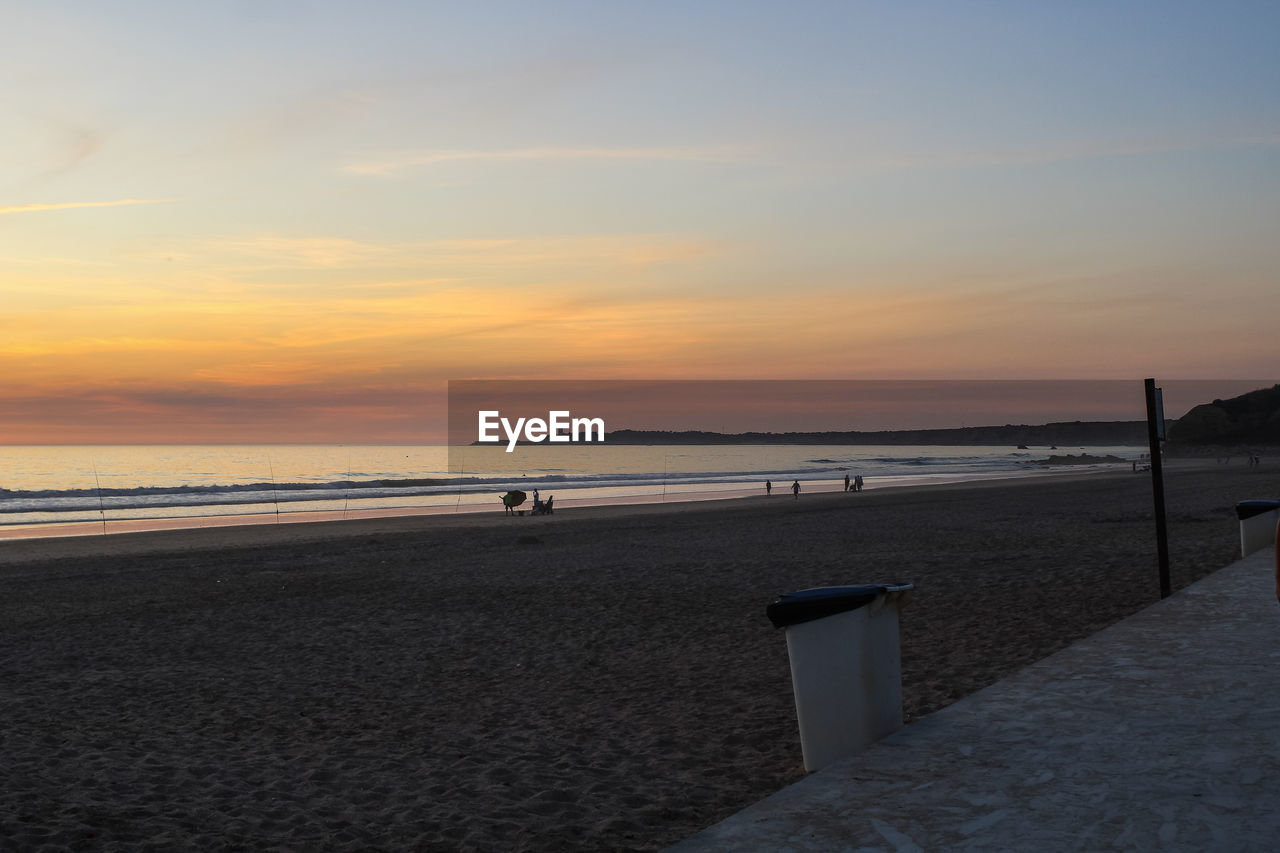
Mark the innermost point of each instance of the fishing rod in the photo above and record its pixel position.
(96, 482)
(346, 491)
(274, 496)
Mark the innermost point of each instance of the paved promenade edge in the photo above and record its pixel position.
(1161, 732)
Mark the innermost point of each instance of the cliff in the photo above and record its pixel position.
(1250, 419)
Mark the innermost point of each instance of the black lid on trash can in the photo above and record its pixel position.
(792, 608)
(1248, 509)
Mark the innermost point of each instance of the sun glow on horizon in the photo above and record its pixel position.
(359, 207)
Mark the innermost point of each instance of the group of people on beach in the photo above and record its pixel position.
(515, 498)
(1252, 460)
(854, 485)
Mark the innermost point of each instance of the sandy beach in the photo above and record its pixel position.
(602, 679)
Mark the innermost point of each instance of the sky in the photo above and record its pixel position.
(273, 221)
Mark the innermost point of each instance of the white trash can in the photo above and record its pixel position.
(846, 665)
(1258, 519)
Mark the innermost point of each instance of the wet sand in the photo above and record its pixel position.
(601, 679)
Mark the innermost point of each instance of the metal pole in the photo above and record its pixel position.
(1155, 429)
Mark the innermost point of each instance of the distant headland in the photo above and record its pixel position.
(1072, 434)
(1251, 420)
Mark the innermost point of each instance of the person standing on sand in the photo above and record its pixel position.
(795, 489)
(768, 487)
(846, 482)
(857, 483)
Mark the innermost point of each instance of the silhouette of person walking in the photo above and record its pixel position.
(795, 489)
(768, 487)
(846, 482)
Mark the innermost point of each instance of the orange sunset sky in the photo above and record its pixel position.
(261, 222)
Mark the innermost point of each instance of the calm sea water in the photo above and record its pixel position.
(125, 487)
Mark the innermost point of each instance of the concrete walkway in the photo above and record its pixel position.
(1161, 732)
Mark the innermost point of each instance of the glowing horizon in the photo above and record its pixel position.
(222, 224)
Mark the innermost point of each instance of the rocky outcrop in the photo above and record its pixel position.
(1250, 419)
(1084, 459)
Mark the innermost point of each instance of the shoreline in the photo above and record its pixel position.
(122, 527)
(599, 679)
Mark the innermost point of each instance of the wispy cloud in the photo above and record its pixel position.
(309, 251)
(68, 205)
(1063, 153)
(461, 259)
(63, 145)
(411, 159)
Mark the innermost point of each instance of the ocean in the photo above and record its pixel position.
(67, 490)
